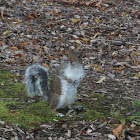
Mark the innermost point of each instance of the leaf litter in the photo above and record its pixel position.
(33, 31)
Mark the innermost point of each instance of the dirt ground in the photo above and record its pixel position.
(108, 30)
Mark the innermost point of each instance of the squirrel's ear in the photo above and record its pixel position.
(82, 53)
(70, 50)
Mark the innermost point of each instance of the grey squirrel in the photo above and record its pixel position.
(63, 88)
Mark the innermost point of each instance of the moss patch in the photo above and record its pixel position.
(17, 108)
(93, 108)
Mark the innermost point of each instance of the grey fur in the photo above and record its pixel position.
(36, 77)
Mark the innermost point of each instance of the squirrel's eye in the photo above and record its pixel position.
(79, 56)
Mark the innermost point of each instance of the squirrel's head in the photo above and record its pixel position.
(75, 57)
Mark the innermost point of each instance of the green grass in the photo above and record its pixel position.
(16, 108)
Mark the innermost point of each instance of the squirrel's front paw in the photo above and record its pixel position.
(60, 115)
(78, 107)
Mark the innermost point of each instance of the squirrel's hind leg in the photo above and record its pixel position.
(57, 113)
(53, 103)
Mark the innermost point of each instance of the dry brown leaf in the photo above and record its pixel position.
(1, 42)
(56, 13)
(13, 48)
(24, 43)
(135, 62)
(29, 17)
(118, 131)
(60, 53)
(97, 67)
(77, 10)
(44, 4)
(84, 25)
(16, 20)
(133, 53)
(28, 0)
(77, 41)
(34, 14)
(27, 24)
(127, 58)
(137, 75)
(2, 17)
(120, 68)
(101, 80)
(88, 3)
(96, 20)
(133, 125)
(32, 122)
(18, 55)
(74, 20)
(14, 113)
(115, 69)
(50, 57)
(95, 35)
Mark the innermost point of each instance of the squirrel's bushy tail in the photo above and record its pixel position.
(36, 77)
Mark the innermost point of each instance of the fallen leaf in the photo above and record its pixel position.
(1, 42)
(135, 62)
(56, 13)
(137, 75)
(6, 32)
(133, 125)
(118, 131)
(16, 20)
(45, 65)
(101, 80)
(133, 53)
(14, 113)
(85, 39)
(68, 134)
(96, 20)
(74, 20)
(97, 67)
(44, 4)
(27, 24)
(24, 43)
(85, 24)
(19, 54)
(78, 41)
(115, 69)
(120, 68)
(2, 15)
(34, 14)
(34, 130)
(60, 53)
(88, 3)
(127, 58)
(50, 57)
(97, 34)
(13, 48)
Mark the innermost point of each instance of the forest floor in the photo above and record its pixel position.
(42, 32)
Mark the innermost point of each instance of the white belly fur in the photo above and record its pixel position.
(69, 90)
(68, 94)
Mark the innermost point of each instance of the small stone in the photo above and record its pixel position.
(89, 131)
(2, 122)
(29, 36)
(112, 137)
(45, 126)
(68, 134)
(87, 67)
